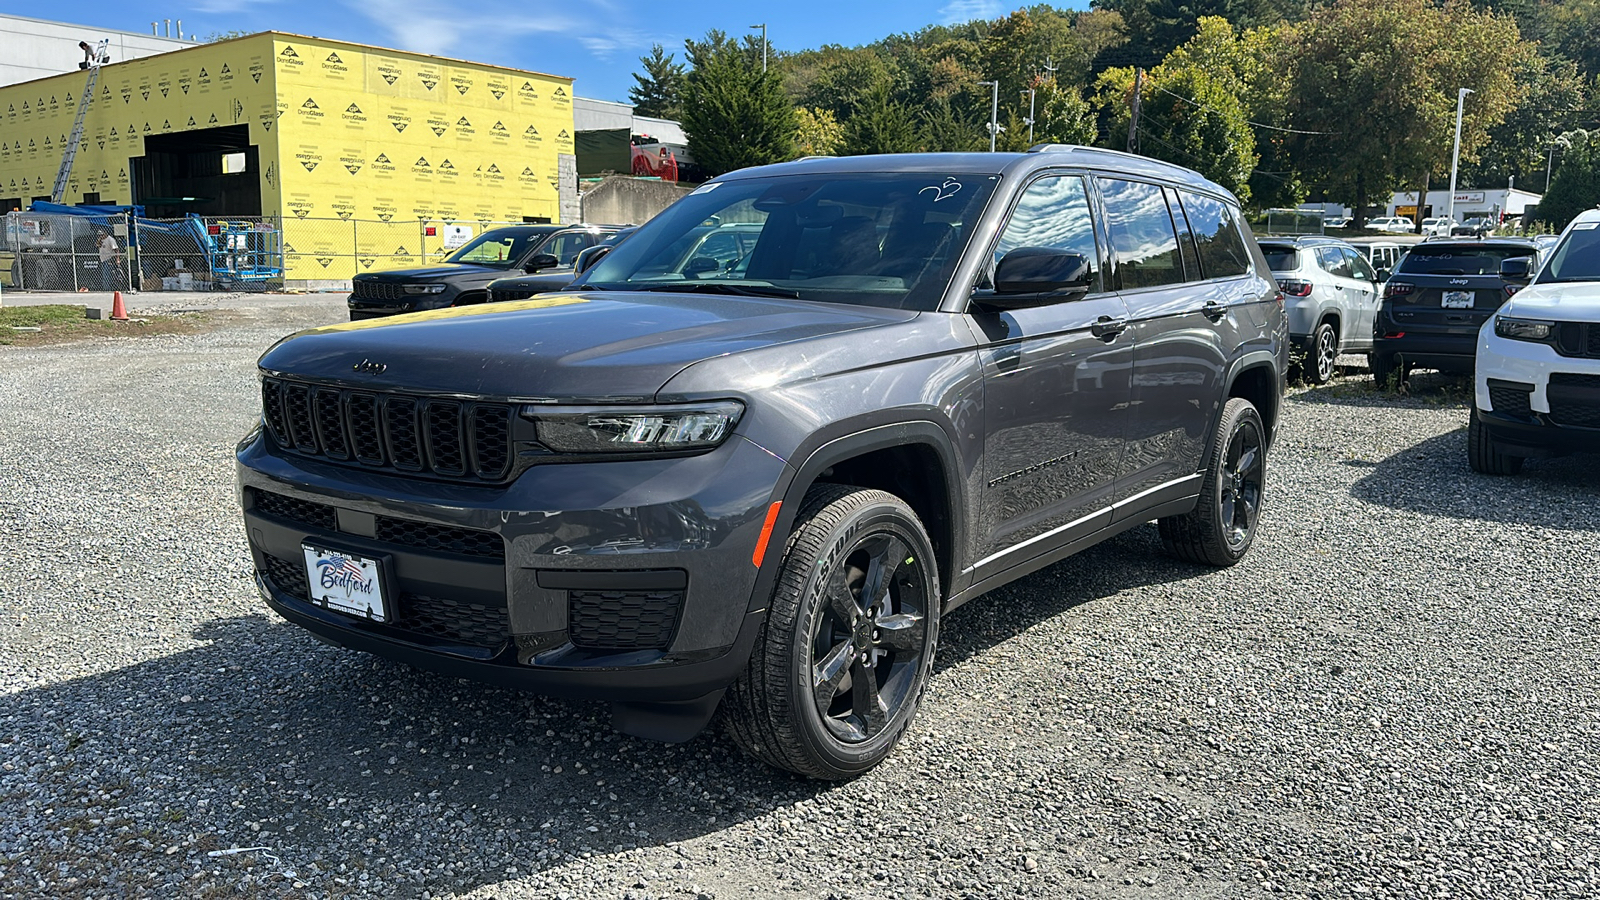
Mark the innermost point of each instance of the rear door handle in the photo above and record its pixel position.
(1107, 328)
(1214, 310)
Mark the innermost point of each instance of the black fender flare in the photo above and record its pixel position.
(1255, 359)
(844, 440)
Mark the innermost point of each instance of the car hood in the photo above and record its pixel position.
(571, 347)
(1577, 301)
(429, 273)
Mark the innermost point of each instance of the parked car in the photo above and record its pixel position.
(1475, 226)
(463, 277)
(1437, 226)
(1536, 388)
(1383, 256)
(1436, 301)
(1396, 224)
(760, 486)
(1331, 295)
(553, 278)
(1335, 221)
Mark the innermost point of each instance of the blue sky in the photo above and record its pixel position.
(598, 42)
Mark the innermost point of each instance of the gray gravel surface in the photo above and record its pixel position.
(1393, 696)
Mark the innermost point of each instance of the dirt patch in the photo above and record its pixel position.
(60, 324)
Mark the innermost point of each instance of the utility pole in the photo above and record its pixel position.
(1455, 157)
(994, 110)
(763, 27)
(1133, 119)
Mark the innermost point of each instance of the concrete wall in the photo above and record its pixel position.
(35, 48)
(620, 200)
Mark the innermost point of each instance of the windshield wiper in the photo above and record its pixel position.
(722, 287)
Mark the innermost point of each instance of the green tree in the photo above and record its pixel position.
(945, 129)
(1372, 90)
(1064, 116)
(1575, 185)
(817, 133)
(734, 114)
(1556, 99)
(880, 124)
(659, 91)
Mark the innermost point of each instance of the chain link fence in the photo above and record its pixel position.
(54, 252)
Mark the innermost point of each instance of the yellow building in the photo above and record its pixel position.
(356, 149)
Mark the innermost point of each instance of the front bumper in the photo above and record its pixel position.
(1535, 401)
(626, 581)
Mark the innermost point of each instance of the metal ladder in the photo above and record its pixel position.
(71, 153)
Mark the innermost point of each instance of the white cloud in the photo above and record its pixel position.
(957, 11)
(443, 28)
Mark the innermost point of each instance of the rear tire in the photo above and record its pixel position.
(1388, 374)
(1483, 454)
(848, 642)
(1222, 526)
(1321, 351)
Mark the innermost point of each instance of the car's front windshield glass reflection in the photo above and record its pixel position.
(1577, 258)
(872, 239)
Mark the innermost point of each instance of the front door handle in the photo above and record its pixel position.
(1214, 310)
(1107, 328)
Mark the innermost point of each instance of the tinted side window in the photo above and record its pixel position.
(1142, 237)
(1333, 262)
(1054, 212)
(1191, 260)
(1222, 250)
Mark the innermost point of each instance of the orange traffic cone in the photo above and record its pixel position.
(119, 313)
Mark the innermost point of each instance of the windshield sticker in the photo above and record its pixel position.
(1584, 226)
(943, 191)
(706, 188)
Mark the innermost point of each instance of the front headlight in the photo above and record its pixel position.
(634, 429)
(1523, 329)
(424, 288)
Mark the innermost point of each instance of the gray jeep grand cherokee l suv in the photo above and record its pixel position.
(760, 486)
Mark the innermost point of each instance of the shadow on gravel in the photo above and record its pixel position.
(1427, 388)
(1130, 560)
(1432, 477)
(343, 764)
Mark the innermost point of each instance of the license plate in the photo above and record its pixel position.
(1457, 300)
(346, 583)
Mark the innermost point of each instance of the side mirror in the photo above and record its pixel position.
(587, 257)
(1518, 269)
(540, 261)
(1383, 274)
(700, 265)
(1035, 276)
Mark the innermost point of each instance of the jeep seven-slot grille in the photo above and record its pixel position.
(445, 438)
(472, 624)
(377, 290)
(404, 532)
(1579, 339)
(501, 295)
(622, 620)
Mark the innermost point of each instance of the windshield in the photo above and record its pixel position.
(1577, 258)
(1476, 259)
(500, 249)
(873, 239)
(1282, 259)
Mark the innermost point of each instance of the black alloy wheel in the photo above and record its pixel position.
(848, 642)
(1222, 526)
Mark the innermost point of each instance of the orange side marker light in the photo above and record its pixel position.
(766, 533)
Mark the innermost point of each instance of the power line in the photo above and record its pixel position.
(1219, 112)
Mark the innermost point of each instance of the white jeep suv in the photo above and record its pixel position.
(1537, 384)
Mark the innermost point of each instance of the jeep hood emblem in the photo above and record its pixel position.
(368, 367)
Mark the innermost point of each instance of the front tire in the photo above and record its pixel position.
(848, 642)
(1222, 526)
(1483, 454)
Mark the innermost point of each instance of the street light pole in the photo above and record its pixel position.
(1455, 160)
(994, 111)
(1029, 119)
(763, 27)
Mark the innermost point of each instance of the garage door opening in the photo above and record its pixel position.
(212, 171)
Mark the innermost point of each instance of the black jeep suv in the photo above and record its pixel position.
(463, 277)
(760, 486)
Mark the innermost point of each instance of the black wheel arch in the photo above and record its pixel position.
(914, 459)
(1258, 378)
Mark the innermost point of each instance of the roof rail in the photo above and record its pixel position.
(1053, 148)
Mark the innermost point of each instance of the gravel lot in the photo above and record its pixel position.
(1395, 695)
